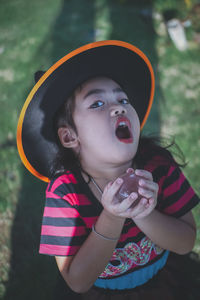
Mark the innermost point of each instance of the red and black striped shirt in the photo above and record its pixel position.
(71, 209)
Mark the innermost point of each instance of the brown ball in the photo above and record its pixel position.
(130, 184)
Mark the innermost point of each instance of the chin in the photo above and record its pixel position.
(125, 155)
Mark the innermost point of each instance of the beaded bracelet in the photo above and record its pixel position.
(104, 237)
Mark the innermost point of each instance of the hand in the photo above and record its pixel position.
(113, 207)
(149, 190)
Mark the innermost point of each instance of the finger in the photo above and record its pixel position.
(126, 203)
(142, 209)
(113, 187)
(108, 186)
(145, 193)
(150, 205)
(144, 213)
(139, 208)
(152, 201)
(144, 173)
(130, 170)
(151, 185)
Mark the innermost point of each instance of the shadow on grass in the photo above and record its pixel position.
(35, 276)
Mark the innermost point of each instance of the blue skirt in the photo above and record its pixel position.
(170, 283)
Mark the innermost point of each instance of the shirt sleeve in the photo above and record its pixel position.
(63, 229)
(177, 196)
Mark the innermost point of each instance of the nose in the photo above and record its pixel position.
(118, 110)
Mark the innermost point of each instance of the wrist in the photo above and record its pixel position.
(104, 237)
(109, 225)
(113, 218)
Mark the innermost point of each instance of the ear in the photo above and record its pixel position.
(68, 137)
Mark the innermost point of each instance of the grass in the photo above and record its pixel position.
(33, 36)
(179, 76)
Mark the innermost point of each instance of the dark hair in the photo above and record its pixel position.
(152, 147)
(65, 158)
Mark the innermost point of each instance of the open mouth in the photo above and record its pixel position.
(123, 131)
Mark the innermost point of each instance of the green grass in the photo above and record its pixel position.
(179, 76)
(33, 35)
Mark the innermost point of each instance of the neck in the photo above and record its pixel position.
(104, 175)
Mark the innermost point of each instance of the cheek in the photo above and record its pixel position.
(80, 121)
(136, 122)
(86, 130)
(137, 126)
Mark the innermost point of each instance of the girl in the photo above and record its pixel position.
(80, 127)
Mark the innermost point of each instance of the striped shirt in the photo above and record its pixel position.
(71, 209)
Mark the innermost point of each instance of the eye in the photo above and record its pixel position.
(97, 104)
(124, 101)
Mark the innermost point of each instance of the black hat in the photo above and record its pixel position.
(120, 61)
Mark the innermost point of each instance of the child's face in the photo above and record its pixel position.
(107, 125)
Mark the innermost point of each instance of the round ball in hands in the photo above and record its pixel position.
(130, 185)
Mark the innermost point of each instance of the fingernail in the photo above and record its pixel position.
(141, 182)
(133, 195)
(119, 180)
(129, 170)
(144, 201)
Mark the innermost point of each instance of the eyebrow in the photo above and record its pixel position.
(100, 91)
